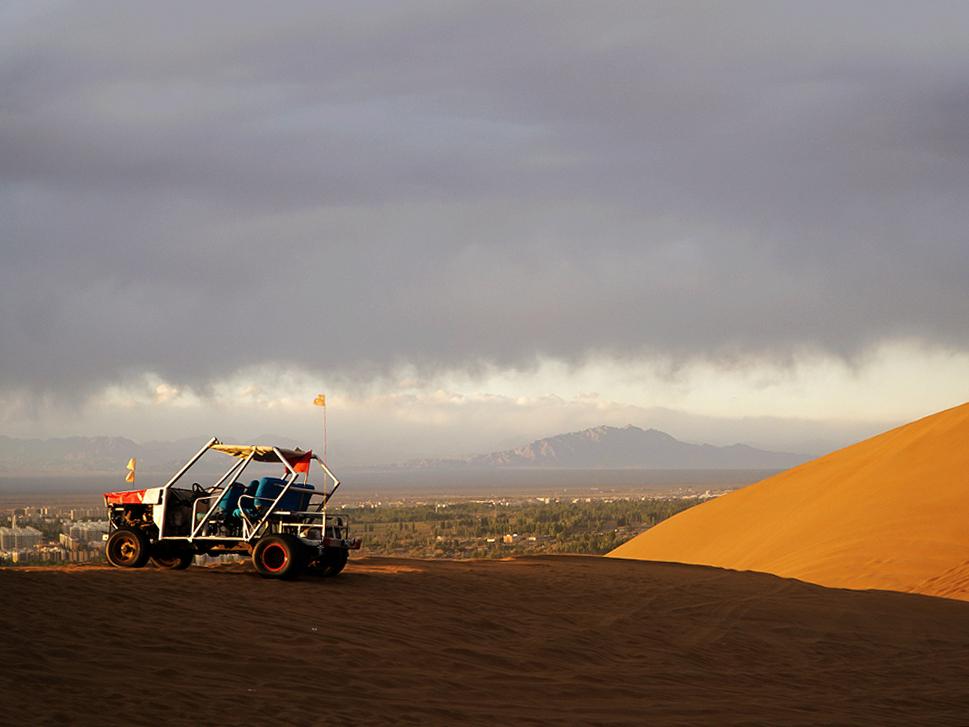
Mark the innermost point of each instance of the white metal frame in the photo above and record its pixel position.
(252, 531)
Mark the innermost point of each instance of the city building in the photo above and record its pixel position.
(15, 538)
(87, 532)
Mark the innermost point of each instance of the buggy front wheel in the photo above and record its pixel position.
(278, 556)
(127, 548)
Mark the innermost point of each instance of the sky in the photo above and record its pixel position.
(473, 224)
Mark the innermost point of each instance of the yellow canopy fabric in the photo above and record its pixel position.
(263, 453)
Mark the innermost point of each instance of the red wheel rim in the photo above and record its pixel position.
(274, 557)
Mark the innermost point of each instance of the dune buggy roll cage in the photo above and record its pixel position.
(300, 521)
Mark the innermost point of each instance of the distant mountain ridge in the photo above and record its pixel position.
(91, 455)
(607, 447)
(603, 447)
(109, 455)
(83, 453)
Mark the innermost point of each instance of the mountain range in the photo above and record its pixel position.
(626, 447)
(89, 455)
(602, 447)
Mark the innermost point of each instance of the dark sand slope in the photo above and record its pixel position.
(528, 641)
(890, 512)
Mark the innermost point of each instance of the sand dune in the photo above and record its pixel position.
(561, 640)
(890, 512)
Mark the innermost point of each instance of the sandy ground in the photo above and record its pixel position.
(891, 512)
(544, 640)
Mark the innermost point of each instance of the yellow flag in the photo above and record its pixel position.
(320, 400)
(131, 464)
(130, 477)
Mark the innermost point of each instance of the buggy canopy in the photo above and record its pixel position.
(265, 453)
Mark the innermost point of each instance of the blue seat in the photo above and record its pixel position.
(229, 501)
(269, 488)
(249, 505)
(302, 499)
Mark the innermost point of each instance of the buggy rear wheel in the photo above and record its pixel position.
(339, 562)
(127, 548)
(172, 557)
(279, 556)
(331, 562)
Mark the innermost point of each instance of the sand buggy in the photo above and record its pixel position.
(280, 522)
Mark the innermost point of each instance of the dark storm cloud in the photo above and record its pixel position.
(349, 187)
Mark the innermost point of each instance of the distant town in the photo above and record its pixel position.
(51, 534)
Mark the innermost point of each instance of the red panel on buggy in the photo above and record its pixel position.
(128, 497)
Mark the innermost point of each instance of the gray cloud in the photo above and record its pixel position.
(451, 183)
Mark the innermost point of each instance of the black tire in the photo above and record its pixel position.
(279, 556)
(127, 548)
(172, 557)
(331, 562)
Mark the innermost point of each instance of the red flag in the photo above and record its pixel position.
(303, 463)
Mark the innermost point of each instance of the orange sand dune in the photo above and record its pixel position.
(891, 512)
(531, 641)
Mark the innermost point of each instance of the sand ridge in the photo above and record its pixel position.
(890, 512)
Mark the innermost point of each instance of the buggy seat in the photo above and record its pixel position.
(263, 492)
